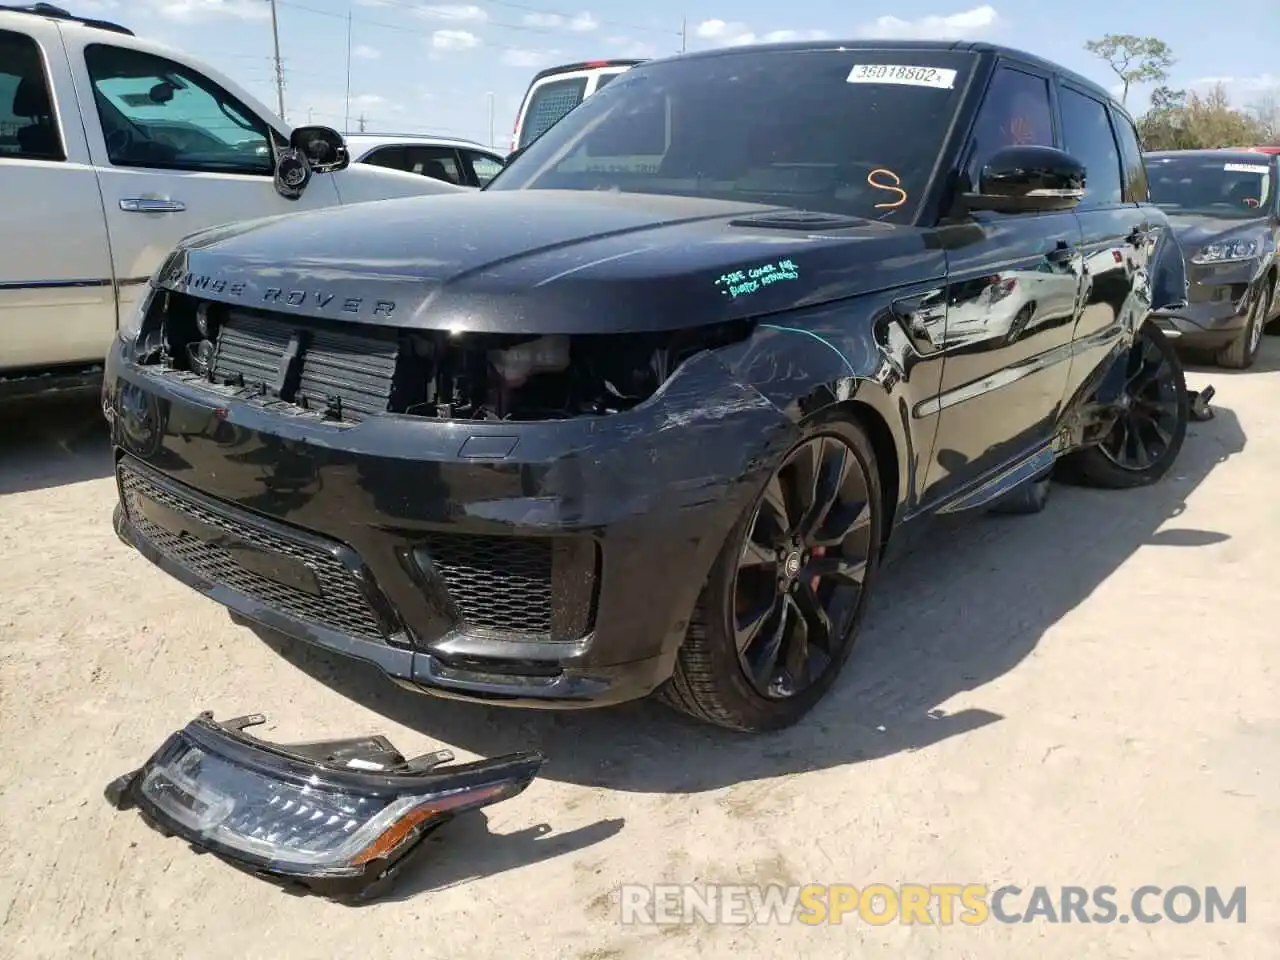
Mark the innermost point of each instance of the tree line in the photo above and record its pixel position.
(1184, 119)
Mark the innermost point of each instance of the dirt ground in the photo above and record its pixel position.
(1090, 696)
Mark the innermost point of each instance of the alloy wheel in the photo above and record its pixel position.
(1257, 321)
(799, 581)
(1148, 418)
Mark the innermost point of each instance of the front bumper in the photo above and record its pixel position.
(537, 564)
(1218, 311)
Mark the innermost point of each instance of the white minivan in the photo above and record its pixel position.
(114, 148)
(555, 91)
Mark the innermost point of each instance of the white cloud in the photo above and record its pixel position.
(96, 6)
(454, 40)
(1261, 83)
(954, 26)
(581, 23)
(188, 11)
(722, 33)
(732, 33)
(363, 52)
(630, 49)
(456, 12)
(526, 58)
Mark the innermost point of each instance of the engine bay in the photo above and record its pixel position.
(343, 371)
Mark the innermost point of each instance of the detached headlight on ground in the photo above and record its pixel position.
(1227, 251)
(334, 816)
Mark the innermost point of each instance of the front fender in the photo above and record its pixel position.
(1168, 269)
(854, 353)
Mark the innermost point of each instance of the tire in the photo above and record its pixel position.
(1029, 497)
(1095, 467)
(710, 683)
(1242, 353)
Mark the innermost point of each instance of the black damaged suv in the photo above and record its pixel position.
(647, 413)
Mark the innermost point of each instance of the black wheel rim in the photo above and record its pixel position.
(1257, 322)
(799, 582)
(1148, 417)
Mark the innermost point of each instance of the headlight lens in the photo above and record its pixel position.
(335, 813)
(131, 325)
(1227, 251)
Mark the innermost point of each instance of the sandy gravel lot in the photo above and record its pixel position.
(1090, 696)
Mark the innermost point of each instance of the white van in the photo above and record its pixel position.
(555, 91)
(114, 148)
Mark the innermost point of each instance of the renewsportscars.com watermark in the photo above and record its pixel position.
(969, 904)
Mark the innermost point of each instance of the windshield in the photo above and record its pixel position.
(847, 132)
(1211, 186)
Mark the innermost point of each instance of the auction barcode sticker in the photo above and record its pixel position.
(1246, 168)
(902, 74)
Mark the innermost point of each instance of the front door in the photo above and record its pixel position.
(57, 300)
(1012, 300)
(175, 153)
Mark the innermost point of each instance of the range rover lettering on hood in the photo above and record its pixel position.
(541, 262)
(268, 298)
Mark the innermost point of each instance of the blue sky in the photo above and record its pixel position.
(421, 66)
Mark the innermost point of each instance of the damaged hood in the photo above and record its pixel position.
(542, 261)
(1194, 232)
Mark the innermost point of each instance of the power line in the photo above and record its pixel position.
(400, 28)
(558, 13)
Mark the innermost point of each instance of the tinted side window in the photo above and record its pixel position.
(549, 103)
(27, 127)
(438, 163)
(393, 157)
(1016, 112)
(485, 167)
(1135, 168)
(157, 113)
(1087, 136)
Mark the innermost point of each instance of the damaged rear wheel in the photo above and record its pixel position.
(782, 606)
(1150, 427)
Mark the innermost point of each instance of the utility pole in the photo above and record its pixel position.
(346, 121)
(491, 140)
(275, 37)
(361, 121)
(684, 33)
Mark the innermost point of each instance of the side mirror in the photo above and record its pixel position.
(323, 147)
(1028, 179)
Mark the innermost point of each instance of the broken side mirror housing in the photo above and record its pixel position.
(1028, 179)
(323, 147)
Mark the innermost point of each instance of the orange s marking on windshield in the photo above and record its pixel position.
(885, 173)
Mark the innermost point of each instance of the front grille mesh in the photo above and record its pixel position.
(497, 583)
(341, 606)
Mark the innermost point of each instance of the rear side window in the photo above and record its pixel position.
(485, 167)
(438, 163)
(604, 78)
(1135, 168)
(549, 103)
(1087, 136)
(393, 157)
(27, 127)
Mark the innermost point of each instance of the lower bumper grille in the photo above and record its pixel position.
(222, 545)
(534, 587)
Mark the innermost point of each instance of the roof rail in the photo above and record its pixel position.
(57, 13)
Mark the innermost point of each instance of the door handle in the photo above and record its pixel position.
(150, 205)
